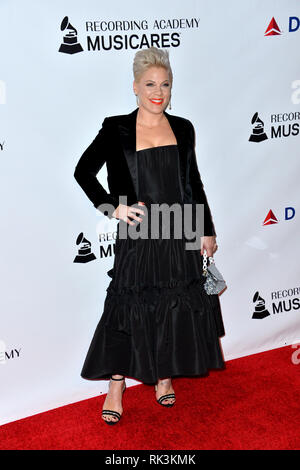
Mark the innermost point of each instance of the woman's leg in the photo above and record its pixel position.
(164, 387)
(113, 400)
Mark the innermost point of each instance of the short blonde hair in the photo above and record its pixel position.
(146, 58)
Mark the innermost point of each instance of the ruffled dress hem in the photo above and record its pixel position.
(149, 332)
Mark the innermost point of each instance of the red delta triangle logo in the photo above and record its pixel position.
(273, 28)
(270, 219)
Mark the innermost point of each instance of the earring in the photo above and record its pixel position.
(170, 107)
(137, 100)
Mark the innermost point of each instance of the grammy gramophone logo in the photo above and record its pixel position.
(258, 133)
(84, 251)
(70, 44)
(260, 310)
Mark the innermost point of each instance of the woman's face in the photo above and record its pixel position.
(153, 89)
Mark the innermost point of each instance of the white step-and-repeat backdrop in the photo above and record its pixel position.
(236, 77)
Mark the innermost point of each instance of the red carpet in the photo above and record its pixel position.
(252, 404)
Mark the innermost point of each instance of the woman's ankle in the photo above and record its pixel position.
(164, 381)
(117, 376)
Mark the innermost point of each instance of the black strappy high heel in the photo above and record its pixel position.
(112, 412)
(165, 397)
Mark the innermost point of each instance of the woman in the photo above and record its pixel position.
(158, 322)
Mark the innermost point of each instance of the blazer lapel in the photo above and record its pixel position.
(127, 130)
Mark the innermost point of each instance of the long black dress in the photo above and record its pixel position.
(157, 320)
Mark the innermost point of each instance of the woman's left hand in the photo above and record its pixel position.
(209, 244)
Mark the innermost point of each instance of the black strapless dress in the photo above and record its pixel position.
(157, 321)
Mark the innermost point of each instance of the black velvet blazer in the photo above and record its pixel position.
(115, 144)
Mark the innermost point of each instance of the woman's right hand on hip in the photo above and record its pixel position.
(123, 212)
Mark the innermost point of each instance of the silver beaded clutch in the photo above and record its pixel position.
(214, 280)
